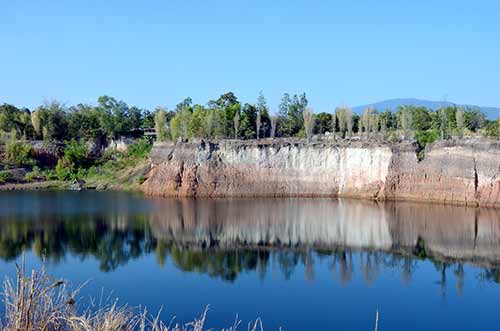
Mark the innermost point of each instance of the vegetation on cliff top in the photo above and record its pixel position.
(76, 128)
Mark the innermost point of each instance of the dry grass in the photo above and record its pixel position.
(38, 303)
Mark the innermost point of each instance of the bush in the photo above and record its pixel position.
(426, 137)
(19, 153)
(34, 174)
(491, 130)
(423, 139)
(62, 171)
(4, 177)
(75, 154)
(140, 148)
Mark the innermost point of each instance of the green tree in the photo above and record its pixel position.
(160, 124)
(474, 119)
(248, 125)
(53, 121)
(323, 123)
(291, 114)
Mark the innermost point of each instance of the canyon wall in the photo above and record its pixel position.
(459, 172)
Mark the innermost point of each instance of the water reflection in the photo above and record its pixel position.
(223, 238)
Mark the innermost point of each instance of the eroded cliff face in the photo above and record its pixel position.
(458, 172)
(465, 172)
(267, 169)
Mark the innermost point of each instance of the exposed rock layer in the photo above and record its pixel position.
(459, 172)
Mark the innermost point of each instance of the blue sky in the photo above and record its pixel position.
(151, 53)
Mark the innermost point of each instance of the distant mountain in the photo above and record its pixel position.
(393, 104)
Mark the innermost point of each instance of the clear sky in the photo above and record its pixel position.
(151, 53)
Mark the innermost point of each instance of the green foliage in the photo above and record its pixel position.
(291, 114)
(426, 137)
(62, 172)
(4, 177)
(34, 174)
(75, 154)
(248, 122)
(492, 129)
(15, 120)
(18, 153)
(160, 123)
(140, 149)
(323, 123)
(474, 119)
(53, 121)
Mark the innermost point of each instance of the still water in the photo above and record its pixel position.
(299, 264)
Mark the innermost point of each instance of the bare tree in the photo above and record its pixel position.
(258, 122)
(261, 108)
(236, 120)
(442, 126)
(459, 116)
(366, 120)
(334, 124)
(308, 123)
(406, 121)
(375, 121)
(344, 120)
(349, 121)
(274, 121)
(36, 121)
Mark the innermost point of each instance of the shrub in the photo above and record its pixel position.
(140, 148)
(423, 138)
(34, 174)
(75, 154)
(426, 137)
(62, 171)
(4, 177)
(19, 153)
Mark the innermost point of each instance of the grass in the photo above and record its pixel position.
(35, 302)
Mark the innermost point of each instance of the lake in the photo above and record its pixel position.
(299, 264)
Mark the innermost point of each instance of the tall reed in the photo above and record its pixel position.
(35, 302)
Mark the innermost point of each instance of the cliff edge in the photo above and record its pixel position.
(459, 172)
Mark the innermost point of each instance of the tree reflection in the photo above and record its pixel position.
(224, 239)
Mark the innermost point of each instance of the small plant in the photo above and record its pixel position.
(62, 171)
(34, 174)
(4, 177)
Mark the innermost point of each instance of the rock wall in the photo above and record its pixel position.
(458, 172)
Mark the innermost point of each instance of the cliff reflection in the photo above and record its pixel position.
(223, 238)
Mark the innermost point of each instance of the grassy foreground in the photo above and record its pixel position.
(35, 302)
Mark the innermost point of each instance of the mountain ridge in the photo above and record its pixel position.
(393, 104)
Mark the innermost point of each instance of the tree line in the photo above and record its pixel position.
(228, 118)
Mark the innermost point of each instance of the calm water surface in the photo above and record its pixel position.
(302, 264)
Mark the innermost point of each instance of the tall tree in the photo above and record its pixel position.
(459, 115)
(160, 124)
(236, 124)
(261, 109)
(308, 123)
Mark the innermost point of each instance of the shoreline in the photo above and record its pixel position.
(66, 186)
